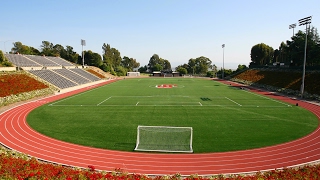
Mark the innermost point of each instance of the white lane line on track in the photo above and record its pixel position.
(86, 152)
(294, 145)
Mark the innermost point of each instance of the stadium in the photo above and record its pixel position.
(83, 117)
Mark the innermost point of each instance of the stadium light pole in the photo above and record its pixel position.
(4, 45)
(223, 45)
(83, 43)
(292, 26)
(304, 21)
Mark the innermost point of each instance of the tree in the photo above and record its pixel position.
(47, 48)
(200, 65)
(129, 63)
(59, 51)
(34, 51)
(4, 61)
(71, 55)
(282, 54)
(241, 67)
(107, 54)
(121, 71)
(166, 65)
(154, 60)
(111, 56)
(192, 66)
(143, 69)
(261, 54)
(292, 52)
(2, 57)
(185, 66)
(116, 57)
(158, 64)
(204, 64)
(181, 70)
(18, 47)
(92, 59)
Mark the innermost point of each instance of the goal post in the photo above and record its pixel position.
(164, 139)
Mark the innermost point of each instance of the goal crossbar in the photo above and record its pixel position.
(164, 139)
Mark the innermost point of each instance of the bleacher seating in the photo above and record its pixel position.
(21, 61)
(54, 78)
(59, 60)
(42, 60)
(72, 76)
(85, 74)
(56, 74)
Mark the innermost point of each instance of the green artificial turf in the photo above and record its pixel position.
(223, 118)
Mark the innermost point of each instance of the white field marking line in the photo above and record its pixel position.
(104, 100)
(267, 116)
(260, 95)
(133, 96)
(137, 103)
(233, 101)
(153, 96)
(191, 105)
(267, 98)
(73, 105)
(112, 158)
(0, 133)
(171, 105)
(200, 103)
(53, 143)
(279, 106)
(77, 95)
(39, 139)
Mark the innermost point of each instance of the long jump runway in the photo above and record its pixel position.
(17, 135)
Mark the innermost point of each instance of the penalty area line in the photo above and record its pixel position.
(104, 100)
(233, 101)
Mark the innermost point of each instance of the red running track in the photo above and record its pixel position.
(16, 134)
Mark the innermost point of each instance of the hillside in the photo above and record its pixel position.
(281, 79)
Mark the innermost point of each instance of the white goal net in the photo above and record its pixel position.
(164, 139)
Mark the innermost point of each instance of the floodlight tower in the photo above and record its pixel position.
(292, 26)
(223, 45)
(83, 43)
(304, 21)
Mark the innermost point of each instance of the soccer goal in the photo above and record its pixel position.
(164, 139)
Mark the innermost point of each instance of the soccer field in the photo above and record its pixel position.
(223, 118)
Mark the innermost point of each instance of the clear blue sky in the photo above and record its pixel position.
(176, 30)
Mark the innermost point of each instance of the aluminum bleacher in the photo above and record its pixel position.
(21, 61)
(72, 76)
(85, 74)
(53, 70)
(42, 60)
(59, 60)
(54, 78)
